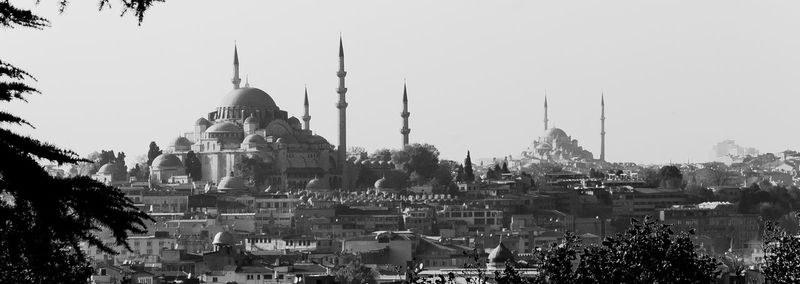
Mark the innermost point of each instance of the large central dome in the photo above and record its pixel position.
(249, 98)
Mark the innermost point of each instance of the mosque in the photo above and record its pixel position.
(556, 146)
(248, 123)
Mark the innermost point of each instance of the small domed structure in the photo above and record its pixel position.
(317, 184)
(231, 182)
(251, 119)
(223, 240)
(180, 144)
(382, 183)
(166, 161)
(107, 169)
(500, 255)
(254, 139)
(295, 123)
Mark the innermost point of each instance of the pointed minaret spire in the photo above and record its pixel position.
(602, 127)
(342, 106)
(405, 114)
(545, 109)
(236, 80)
(247, 81)
(306, 116)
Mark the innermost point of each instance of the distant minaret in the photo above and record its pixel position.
(545, 112)
(342, 106)
(602, 127)
(236, 80)
(306, 116)
(405, 114)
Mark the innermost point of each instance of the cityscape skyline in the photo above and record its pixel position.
(179, 72)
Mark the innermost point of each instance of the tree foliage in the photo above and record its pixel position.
(648, 252)
(670, 177)
(469, 173)
(781, 255)
(153, 152)
(193, 166)
(43, 219)
(253, 170)
(356, 273)
(420, 158)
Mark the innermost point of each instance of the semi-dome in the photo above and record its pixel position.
(500, 254)
(294, 122)
(254, 139)
(225, 126)
(166, 160)
(202, 121)
(223, 238)
(106, 169)
(249, 97)
(181, 142)
(231, 182)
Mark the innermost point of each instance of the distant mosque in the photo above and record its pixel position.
(555, 145)
(248, 123)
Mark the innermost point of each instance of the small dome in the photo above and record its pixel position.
(316, 184)
(202, 121)
(254, 139)
(251, 119)
(166, 161)
(231, 182)
(500, 254)
(295, 123)
(223, 238)
(181, 142)
(382, 183)
(106, 169)
(225, 126)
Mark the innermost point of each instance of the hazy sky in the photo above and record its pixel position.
(678, 76)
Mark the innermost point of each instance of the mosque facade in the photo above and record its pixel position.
(556, 145)
(247, 123)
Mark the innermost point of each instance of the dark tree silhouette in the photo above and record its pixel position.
(460, 173)
(356, 273)
(44, 218)
(193, 166)
(153, 152)
(505, 168)
(670, 177)
(253, 170)
(781, 255)
(420, 158)
(469, 174)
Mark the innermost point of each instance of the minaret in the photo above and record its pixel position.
(236, 80)
(545, 112)
(342, 106)
(405, 114)
(602, 127)
(306, 116)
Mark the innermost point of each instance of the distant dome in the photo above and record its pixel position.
(181, 143)
(553, 133)
(382, 183)
(106, 169)
(249, 97)
(316, 184)
(224, 127)
(166, 161)
(202, 121)
(231, 182)
(500, 254)
(223, 238)
(254, 139)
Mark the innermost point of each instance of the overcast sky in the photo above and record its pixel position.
(678, 76)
